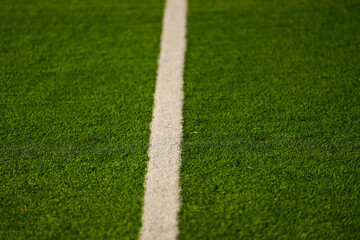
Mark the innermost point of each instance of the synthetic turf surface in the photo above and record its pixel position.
(271, 130)
(271, 120)
(76, 95)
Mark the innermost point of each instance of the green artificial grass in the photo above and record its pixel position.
(271, 120)
(77, 80)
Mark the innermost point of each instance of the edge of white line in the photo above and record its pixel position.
(162, 190)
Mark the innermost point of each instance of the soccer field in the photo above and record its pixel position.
(271, 118)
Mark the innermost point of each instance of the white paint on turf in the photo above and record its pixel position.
(162, 191)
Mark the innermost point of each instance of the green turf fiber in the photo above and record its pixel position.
(77, 80)
(272, 120)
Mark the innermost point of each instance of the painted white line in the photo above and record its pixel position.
(162, 191)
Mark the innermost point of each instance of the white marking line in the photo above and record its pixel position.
(162, 191)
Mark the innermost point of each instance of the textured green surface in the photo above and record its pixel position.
(271, 143)
(272, 120)
(76, 93)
